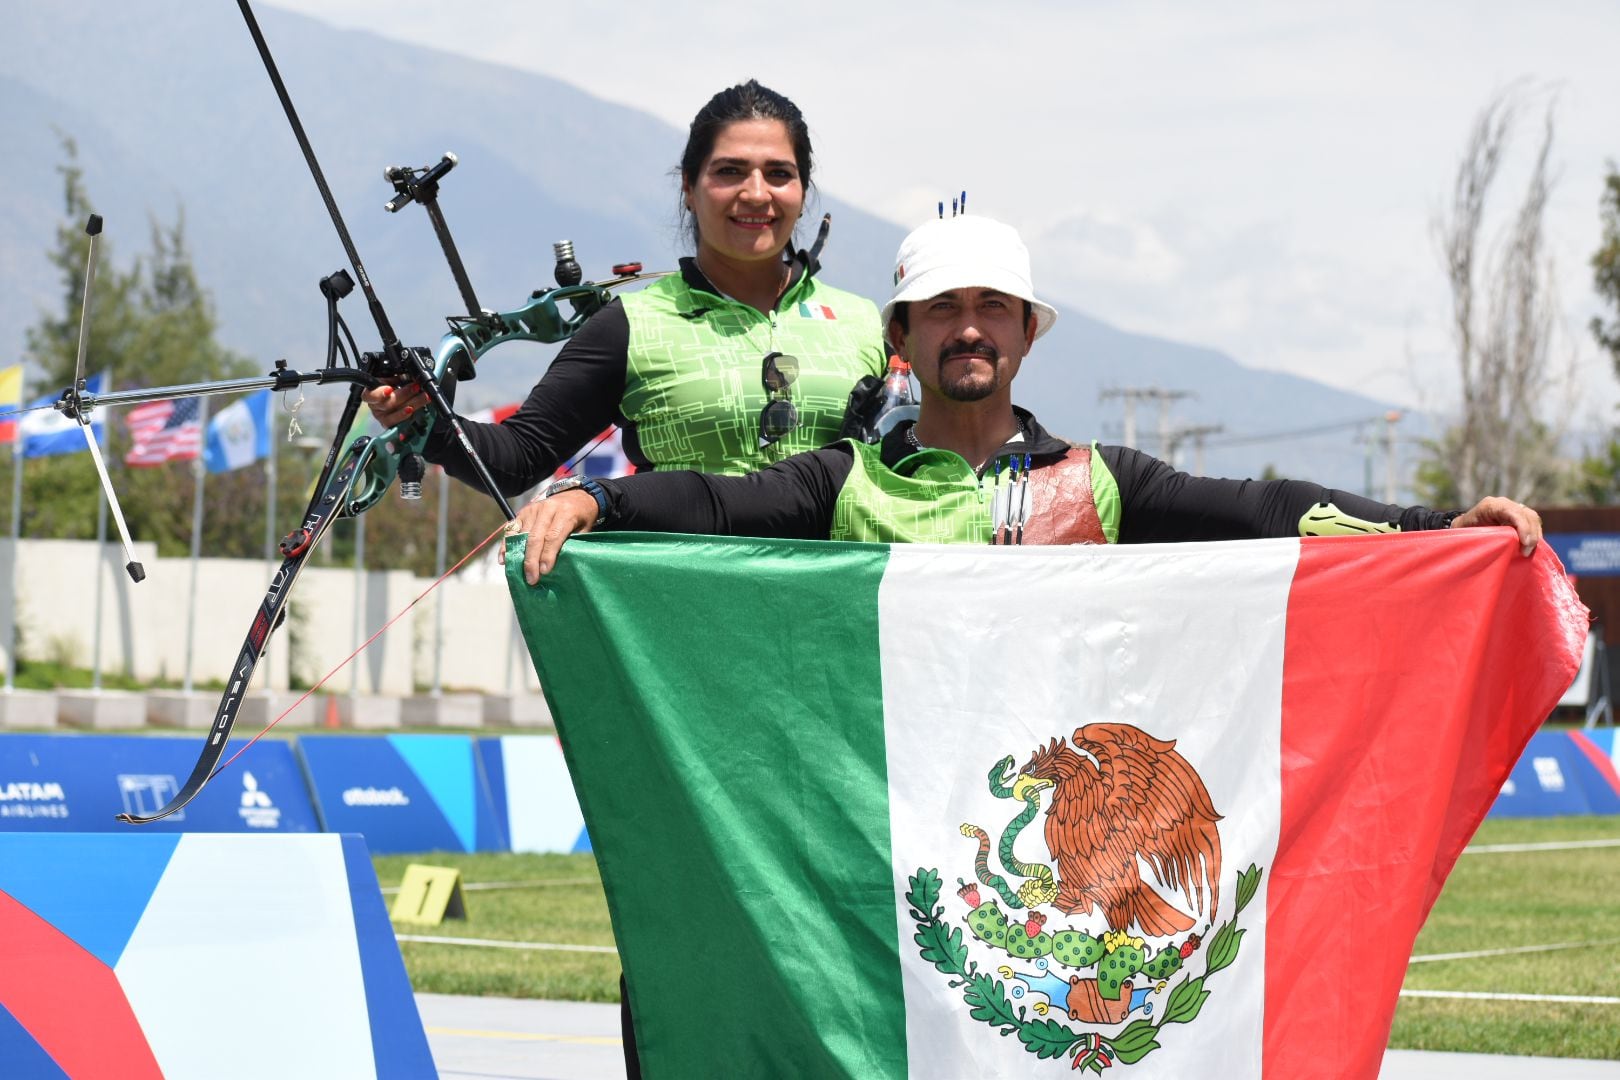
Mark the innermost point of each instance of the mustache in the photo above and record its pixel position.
(965, 348)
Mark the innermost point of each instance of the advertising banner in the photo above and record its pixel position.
(404, 793)
(1594, 767)
(1560, 772)
(118, 962)
(1587, 554)
(79, 783)
(533, 793)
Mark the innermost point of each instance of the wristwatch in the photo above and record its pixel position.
(589, 487)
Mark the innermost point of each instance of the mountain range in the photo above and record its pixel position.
(172, 113)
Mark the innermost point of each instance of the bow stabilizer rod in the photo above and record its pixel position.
(72, 404)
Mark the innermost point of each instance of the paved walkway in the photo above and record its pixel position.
(476, 1038)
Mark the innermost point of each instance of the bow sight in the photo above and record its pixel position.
(355, 476)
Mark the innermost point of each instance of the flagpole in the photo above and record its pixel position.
(514, 640)
(101, 557)
(270, 526)
(16, 556)
(101, 534)
(199, 473)
(270, 503)
(438, 573)
(359, 604)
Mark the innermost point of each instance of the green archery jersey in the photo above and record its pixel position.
(693, 384)
(935, 497)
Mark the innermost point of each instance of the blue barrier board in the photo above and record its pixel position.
(533, 793)
(80, 783)
(115, 946)
(1554, 777)
(404, 793)
(1587, 554)
(1593, 766)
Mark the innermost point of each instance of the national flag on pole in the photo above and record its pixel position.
(46, 432)
(493, 415)
(932, 812)
(164, 431)
(11, 380)
(239, 434)
(602, 458)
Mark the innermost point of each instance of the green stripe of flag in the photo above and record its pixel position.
(703, 779)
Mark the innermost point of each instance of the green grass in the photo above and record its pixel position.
(569, 914)
(49, 675)
(1494, 901)
(1491, 901)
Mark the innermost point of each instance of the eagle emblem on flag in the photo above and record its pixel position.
(1105, 934)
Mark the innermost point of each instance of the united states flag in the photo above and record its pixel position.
(164, 431)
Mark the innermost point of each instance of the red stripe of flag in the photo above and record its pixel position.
(1399, 768)
(163, 431)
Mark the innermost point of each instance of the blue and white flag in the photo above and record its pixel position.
(239, 434)
(47, 431)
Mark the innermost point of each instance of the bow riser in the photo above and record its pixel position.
(539, 320)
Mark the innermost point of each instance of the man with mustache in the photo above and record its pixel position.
(974, 468)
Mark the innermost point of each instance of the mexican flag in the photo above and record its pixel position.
(867, 811)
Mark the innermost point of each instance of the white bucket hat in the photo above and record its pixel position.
(965, 252)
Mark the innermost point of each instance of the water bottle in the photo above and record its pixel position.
(897, 402)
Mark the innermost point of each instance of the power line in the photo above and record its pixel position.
(1299, 433)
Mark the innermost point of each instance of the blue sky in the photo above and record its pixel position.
(1260, 177)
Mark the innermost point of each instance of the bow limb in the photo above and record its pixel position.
(329, 503)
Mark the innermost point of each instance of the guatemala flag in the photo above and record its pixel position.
(49, 432)
(240, 434)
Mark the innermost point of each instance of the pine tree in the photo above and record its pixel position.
(53, 344)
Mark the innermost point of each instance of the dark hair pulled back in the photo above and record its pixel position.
(745, 101)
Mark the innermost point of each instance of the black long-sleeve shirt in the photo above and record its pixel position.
(796, 497)
(576, 399)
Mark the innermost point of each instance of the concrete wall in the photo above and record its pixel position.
(143, 627)
(481, 646)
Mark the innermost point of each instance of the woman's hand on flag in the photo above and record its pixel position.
(1495, 510)
(549, 522)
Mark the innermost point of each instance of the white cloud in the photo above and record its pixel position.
(1257, 179)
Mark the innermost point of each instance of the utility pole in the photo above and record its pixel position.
(1391, 418)
(1196, 434)
(1366, 441)
(1132, 395)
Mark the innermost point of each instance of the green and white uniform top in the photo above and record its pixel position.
(678, 368)
(693, 387)
(1046, 489)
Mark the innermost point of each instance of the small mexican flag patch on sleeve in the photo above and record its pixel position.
(816, 311)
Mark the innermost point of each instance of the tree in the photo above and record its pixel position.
(1503, 315)
(1597, 476)
(53, 343)
(150, 325)
(1597, 479)
(1606, 267)
(175, 339)
(154, 325)
(174, 342)
(59, 495)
